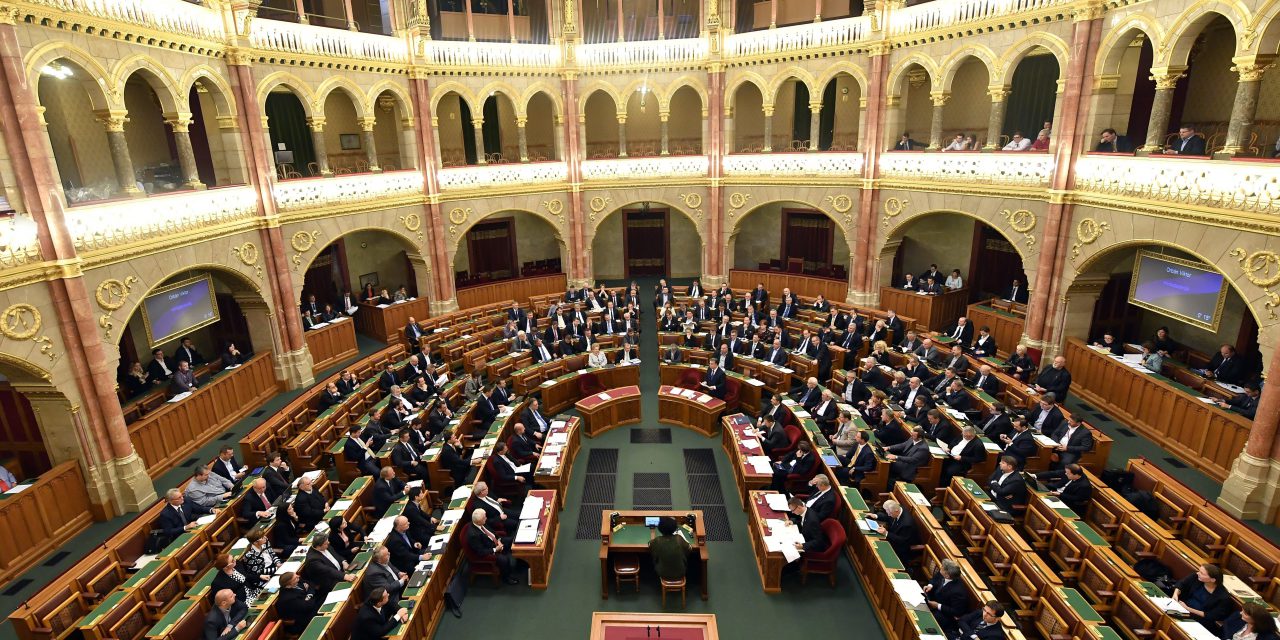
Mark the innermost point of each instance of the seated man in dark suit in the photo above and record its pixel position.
(523, 447)
(889, 431)
(403, 551)
(799, 463)
(961, 331)
(297, 603)
(1187, 144)
(809, 395)
(1071, 486)
(386, 490)
(486, 410)
(377, 616)
(1073, 441)
(455, 458)
(984, 346)
(323, 569)
(1021, 444)
(1007, 487)
(947, 596)
(821, 499)
(226, 620)
(1110, 142)
(907, 457)
(503, 517)
(178, 516)
(381, 574)
(961, 457)
(714, 384)
(256, 505)
(996, 424)
(1226, 366)
(408, 458)
(810, 524)
(389, 378)
(276, 473)
(1245, 404)
(1047, 416)
(899, 528)
(956, 397)
(860, 461)
(772, 434)
(485, 545)
(1055, 379)
(983, 624)
(984, 379)
(358, 451)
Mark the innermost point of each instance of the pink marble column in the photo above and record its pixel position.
(421, 94)
(577, 218)
(714, 249)
(860, 276)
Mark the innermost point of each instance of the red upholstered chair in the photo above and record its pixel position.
(589, 384)
(528, 458)
(798, 483)
(793, 438)
(479, 566)
(689, 379)
(824, 561)
(731, 390)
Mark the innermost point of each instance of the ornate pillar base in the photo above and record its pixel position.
(1252, 490)
(439, 307)
(293, 368)
(862, 298)
(713, 282)
(120, 485)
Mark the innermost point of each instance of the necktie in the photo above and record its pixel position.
(406, 539)
(981, 381)
(264, 500)
(182, 516)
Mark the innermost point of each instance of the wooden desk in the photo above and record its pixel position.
(555, 467)
(540, 553)
(776, 281)
(607, 625)
(387, 322)
(520, 289)
(931, 312)
(608, 409)
(332, 344)
(631, 537)
(1007, 328)
(769, 564)
(749, 390)
(563, 391)
(51, 510)
(745, 475)
(699, 412)
(171, 433)
(1205, 436)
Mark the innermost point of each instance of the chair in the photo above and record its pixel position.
(793, 438)
(732, 389)
(513, 490)
(479, 566)
(529, 458)
(673, 586)
(824, 561)
(589, 384)
(798, 483)
(626, 569)
(689, 379)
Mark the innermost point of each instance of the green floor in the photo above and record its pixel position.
(564, 609)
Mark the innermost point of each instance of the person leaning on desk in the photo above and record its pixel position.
(1202, 594)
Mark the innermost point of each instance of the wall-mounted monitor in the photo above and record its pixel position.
(176, 309)
(1192, 292)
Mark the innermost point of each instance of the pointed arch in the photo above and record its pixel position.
(844, 66)
(1014, 55)
(357, 95)
(1176, 50)
(666, 93)
(295, 85)
(223, 97)
(597, 87)
(743, 78)
(402, 96)
(899, 71)
(158, 78)
(103, 93)
(800, 75)
(953, 62)
(444, 89)
(556, 98)
(1111, 48)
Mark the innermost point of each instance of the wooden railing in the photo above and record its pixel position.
(387, 324)
(519, 290)
(801, 285)
(932, 313)
(332, 344)
(168, 435)
(40, 518)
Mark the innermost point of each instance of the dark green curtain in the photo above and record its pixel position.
(287, 123)
(492, 130)
(827, 118)
(800, 121)
(1033, 93)
(468, 132)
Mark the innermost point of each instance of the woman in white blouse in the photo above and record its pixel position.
(954, 281)
(596, 358)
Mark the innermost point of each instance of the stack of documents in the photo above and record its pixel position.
(776, 501)
(760, 464)
(532, 508)
(527, 533)
(910, 593)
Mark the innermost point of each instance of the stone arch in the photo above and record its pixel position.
(1008, 62)
(558, 231)
(800, 75)
(394, 231)
(134, 302)
(908, 218)
(295, 85)
(735, 221)
(444, 89)
(1267, 15)
(503, 88)
(743, 78)
(27, 371)
(952, 64)
(224, 98)
(634, 87)
(665, 93)
(402, 97)
(597, 218)
(598, 87)
(359, 100)
(1176, 50)
(844, 66)
(678, 211)
(157, 77)
(103, 93)
(557, 100)
(899, 72)
(1112, 47)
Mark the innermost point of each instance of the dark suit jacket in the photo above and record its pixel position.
(1217, 606)
(794, 465)
(901, 533)
(716, 380)
(385, 381)
(216, 621)
(486, 411)
(1022, 446)
(966, 334)
(277, 482)
(386, 492)
(480, 544)
(824, 506)
(911, 456)
(1120, 145)
(815, 539)
(299, 605)
(1056, 380)
(251, 504)
(1051, 421)
(402, 459)
(985, 349)
(1230, 372)
(1077, 495)
(993, 429)
(1081, 442)
(420, 527)
(172, 524)
(223, 581)
(1012, 491)
(403, 556)
(1020, 295)
(372, 624)
(967, 627)
(991, 385)
(327, 400)
(1192, 146)
(309, 507)
(953, 598)
(320, 572)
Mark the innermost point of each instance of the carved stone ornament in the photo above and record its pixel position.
(1088, 231)
(1021, 221)
(597, 205)
(694, 202)
(302, 242)
(111, 295)
(22, 321)
(458, 216)
(1262, 268)
(413, 224)
(248, 255)
(841, 203)
(737, 201)
(893, 207)
(555, 207)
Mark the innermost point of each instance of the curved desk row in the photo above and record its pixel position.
(610, 408)
(743, 391)
(561, 392)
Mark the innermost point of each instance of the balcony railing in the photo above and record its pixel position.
(613, 55)
(18, 243)
(305, 39)
(642, 168)
(794, 164)
(1013, 169)
(1239, 186)
(116, 222)
(313, 193)
(504, 175)
(831, 33)
(170, 16)
(948, 13)
(505, 55)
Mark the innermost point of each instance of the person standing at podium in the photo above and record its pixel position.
(714, 382)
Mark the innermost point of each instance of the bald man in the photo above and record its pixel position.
(256, 505)
(227, 618)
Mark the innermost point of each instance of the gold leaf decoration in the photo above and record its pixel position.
(1021, 221)
(893, 207)
(1088, 231)
(1262, 268)
(248, 255)
(22, 321)
(737, 201)
(841, 203)
(111, 295)
(302, 242)
(413, 224)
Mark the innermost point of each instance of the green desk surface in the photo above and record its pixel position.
(316, 629)
(356, 486)
(1000, 312)
(854, 498)
(104, 607)
(1089, 534)
(926, 623)
(887, 556)
(403, 626)
(142, 574)
(996, 362)
(1081, 606)
(985, 397)
(177, 544)
(180, 608)
(1150, 590)
(943, 339)
(334, 606)
(631, 534)
(1105, 633)
(974, 489)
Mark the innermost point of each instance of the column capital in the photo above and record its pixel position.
(477, 122)
(367, 122)
(316, 123)
(998, 92)
(1251, 68)
(1089, 11)
(768, 110)
(892, 100)
(939, 98)
(521, 121)
(240, 57)
(664, 116)
(815, 107)
(228, 123)
(112, 119)
(1167, 77)
(622, 118)
(180, 122)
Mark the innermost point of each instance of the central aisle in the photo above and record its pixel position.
(742, 608)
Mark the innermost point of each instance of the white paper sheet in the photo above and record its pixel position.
(776, 501)
(338, 595)
(528, 532)
(532, 508)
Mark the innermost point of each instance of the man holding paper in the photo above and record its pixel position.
(714, 382)
(815, 539)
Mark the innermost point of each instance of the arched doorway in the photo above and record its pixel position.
(601, 127)
(1126, 108)
(215, 140)
(149, 132)
(1198, 101)
(840, 119)
(685, 123)
(343, 142)
(1033, 94)
(291, 137)
(644, 126)
(790, 236)
(645, 239)
(360, 257)
(499, 129)
(748, 119)
(71, 98)
(508, 244)
(914, 112)
(25, 452)
(393, 133)
(968, 110)
(988, 261)
(455, 131)
(791, 116)
(542, 137)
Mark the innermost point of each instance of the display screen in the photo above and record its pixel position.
(179, 308)
(1189, 291)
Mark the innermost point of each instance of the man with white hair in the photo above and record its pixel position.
(485, 545)
(227, 618)
(898, 527)
(382, 574)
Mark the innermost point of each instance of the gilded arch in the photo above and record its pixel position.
(557, 100)
(844, 66)
(223, 97)
(444, 89)
(846, 228)
(496, 89)
(597, 217)
(557, 225)
(295, 85)
(901, 222)
(158, 78)
(666, 93)
(1176, 50)
(359, 100)
(899, 71)
(1009, 61)
(1111, 49)
(27, 370)
(978, 52)
(391, 229)
(599, 87)
(103, 94)
(233, 269)
(796, 73)
(402, 98)
(745, 77)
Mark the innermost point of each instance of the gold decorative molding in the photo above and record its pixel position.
(21, 322)
(458, 216)
(597, 205)
(302, 242)
(693, 201)
(413, 224)
(1021, 221)
(1262, 268)
(1088, 231)
(737, 200)
(893, 207)
(111, 295)
(248, 255)
(555, 207)
(841, 203)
